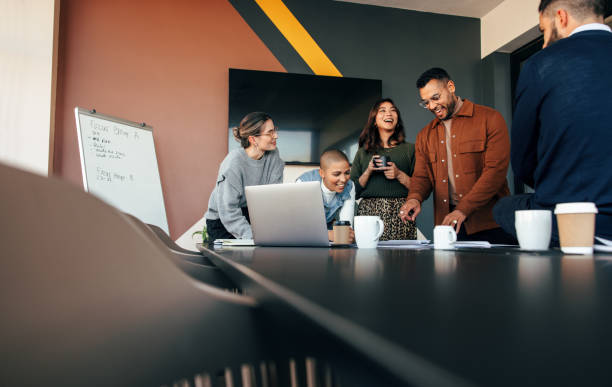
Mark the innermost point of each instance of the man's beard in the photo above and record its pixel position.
(554, 35)
(450, 109)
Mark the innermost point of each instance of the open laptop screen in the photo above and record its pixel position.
(288, 214)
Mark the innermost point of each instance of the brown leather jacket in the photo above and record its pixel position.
(481, 154)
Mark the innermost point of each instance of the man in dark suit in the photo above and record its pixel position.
(562, 126)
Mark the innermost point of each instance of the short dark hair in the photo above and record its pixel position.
(433, 73)
(581, 8)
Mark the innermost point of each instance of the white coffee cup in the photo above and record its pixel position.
(367, 231)
(533, 228)
(444, 237)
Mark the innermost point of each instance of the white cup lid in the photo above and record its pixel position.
(576, 208)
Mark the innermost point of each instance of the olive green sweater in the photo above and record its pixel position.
(378, 185)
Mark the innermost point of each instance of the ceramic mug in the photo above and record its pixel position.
(444, 237)
(368, 230)
(533, 228)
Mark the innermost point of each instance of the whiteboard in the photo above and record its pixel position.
(119, 165)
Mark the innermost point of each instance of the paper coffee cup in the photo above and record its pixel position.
(576, 223)
(342, 231)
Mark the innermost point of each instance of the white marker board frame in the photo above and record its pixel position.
(119, 165)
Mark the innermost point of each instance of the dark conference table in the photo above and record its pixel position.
(489, 317)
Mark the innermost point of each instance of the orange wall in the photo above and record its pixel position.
(162, 62)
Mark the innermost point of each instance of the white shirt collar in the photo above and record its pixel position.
(591, 27)
(328, 194)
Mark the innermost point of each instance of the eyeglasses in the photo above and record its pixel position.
(270, 133)
(425, 103)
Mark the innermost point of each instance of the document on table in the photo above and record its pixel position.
(234, 242)
(604, 241)
(480, 245)
(605, 247)
(405, 244)
(426, 244)
(473, 244)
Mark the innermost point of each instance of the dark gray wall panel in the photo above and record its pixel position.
(496, 90)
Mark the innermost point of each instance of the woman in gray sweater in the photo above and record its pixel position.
(256, 163)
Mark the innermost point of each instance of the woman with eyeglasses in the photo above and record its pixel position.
(382, 169)
(257, 162)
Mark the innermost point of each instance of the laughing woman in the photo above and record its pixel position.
(383, 189)
(257, 162)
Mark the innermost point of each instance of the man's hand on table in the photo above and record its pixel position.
(455, 219)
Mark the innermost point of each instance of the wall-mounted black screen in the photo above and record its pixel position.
(313, 113)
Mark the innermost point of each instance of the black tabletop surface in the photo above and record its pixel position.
(491, 317)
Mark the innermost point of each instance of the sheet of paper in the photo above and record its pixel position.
(235, 242)
(407, 247)
(604, 241)
(416, 244)
(603, 248)
(407, 242)
(475, 244)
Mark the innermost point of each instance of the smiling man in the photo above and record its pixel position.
(462, 156)
(562, 129)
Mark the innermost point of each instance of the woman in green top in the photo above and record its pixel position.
(383, 189)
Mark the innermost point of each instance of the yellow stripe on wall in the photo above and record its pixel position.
(298, 37)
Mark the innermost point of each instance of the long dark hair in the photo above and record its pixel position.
(369, 139)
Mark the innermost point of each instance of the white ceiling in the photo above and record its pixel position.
(469, 8)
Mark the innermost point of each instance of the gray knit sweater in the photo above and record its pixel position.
(237, 171)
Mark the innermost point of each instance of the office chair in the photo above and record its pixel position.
(160, 235)
(192, 265)
(86, 299)
(165, 238)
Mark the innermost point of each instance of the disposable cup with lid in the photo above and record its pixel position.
(576, 208)
(576, 224)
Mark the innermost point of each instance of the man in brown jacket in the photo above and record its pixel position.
(463, 156)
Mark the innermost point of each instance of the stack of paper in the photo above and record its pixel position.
(234, 242)
(605, 247)
(474, 244)
(405, 244)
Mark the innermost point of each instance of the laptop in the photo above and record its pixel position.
(288, 214)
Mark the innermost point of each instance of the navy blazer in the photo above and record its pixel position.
(562, 126)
